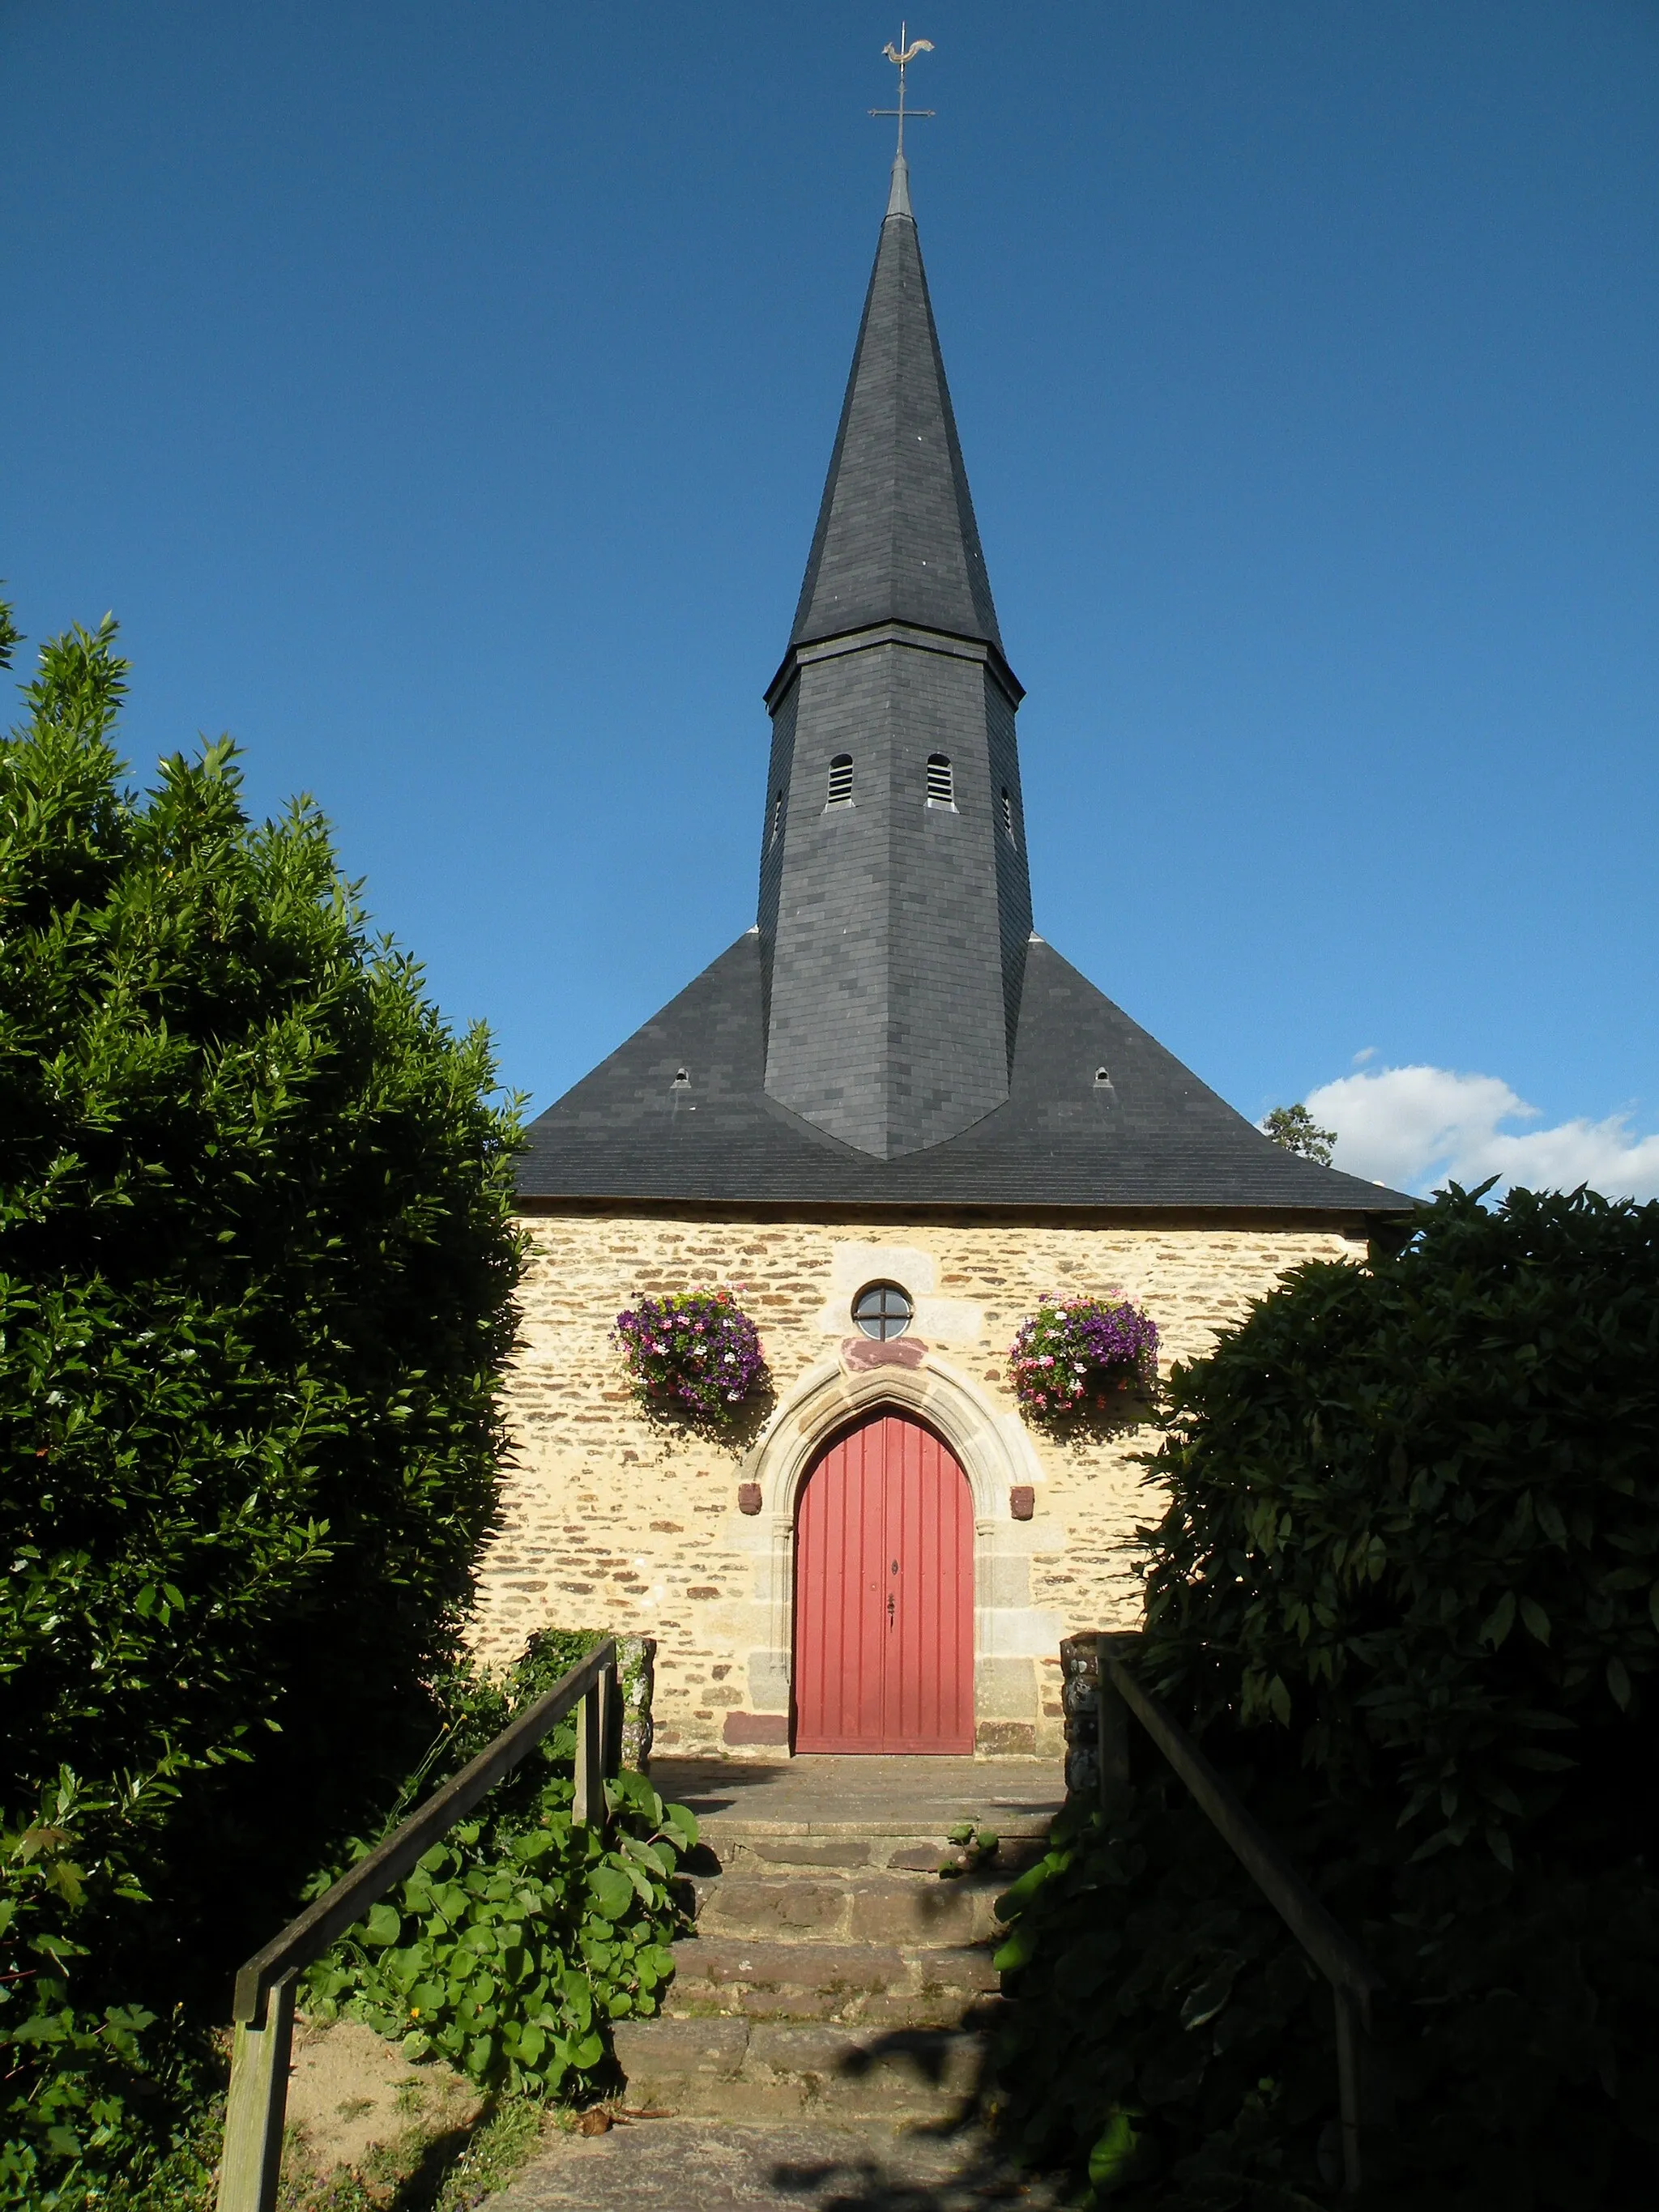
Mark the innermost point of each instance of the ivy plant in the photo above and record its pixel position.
(517, 1941)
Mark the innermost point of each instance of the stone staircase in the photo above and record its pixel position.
(835, 1969)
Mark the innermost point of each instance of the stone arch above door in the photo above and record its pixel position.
(993, 1450)
(1010, 1634)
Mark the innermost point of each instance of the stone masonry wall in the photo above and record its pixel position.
(612, 1520)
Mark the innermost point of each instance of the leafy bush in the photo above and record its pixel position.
(1407, 1589)
(256, 1264)
(1079, 1355)
(695, 1354)
(517, 1939)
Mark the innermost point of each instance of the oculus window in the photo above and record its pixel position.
(883, 1310)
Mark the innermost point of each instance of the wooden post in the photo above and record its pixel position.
(1112, 1737)
(610, 1708)
(1363, 2087)
(252, 2160)
(1364, 2091)
(263, 2008)
(589, 1804)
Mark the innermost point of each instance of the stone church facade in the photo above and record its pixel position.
(890, 1089)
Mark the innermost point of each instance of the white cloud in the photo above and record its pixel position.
(1414, 1128)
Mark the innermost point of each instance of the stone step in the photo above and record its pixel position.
(755, 2069)
(748, 1848)
(880, 1908)
(895, 1984)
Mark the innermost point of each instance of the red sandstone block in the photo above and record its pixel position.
(757, 1728)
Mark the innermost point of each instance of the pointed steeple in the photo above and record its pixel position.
(895, 539)
(891, 1035)
(895, 906)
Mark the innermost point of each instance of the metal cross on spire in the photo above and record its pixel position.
(902, 56)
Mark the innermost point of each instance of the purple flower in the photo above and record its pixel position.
(694, 1349)
(1080, 1348)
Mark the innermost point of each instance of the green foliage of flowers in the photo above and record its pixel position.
(694, 1353)
(1407, 1591)
(518, 1939)
(256, 1266)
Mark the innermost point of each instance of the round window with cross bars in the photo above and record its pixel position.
(883, 1310)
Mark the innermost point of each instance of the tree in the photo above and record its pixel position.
(1293, 1128)
(1405, 1588)
(257, 1276)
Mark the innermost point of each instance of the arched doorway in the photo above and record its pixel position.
(883, 1657)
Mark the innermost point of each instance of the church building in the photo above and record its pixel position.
(892, 1118)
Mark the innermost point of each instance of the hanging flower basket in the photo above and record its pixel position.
(696, 1354)
(1082, 1355)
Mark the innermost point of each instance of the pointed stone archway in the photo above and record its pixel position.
(1012, 1634)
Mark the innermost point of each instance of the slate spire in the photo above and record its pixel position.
(895, 906)
(896, 538)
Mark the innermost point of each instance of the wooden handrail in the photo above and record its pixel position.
(1363, 2087)
(264, 2006)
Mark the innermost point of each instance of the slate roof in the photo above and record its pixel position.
(1152, 1136)
(910, 1005)
(895, 539)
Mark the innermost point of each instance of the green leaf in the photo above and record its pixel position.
(1113, 2153)
(1210, 1997)
(383, 1924)
(611, 1890)
(1536, 1620)
(1499, 1621)
(1618, 1683)
(682, 1826)
(1019, 1949)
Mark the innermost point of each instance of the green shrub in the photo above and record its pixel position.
(256, 1265)
(518, 1939)
(522, 1935)
(1407, 1589)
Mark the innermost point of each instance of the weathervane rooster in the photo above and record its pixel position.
(902, 53)
(900, 56)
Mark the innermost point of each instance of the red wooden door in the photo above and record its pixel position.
(884, 1596)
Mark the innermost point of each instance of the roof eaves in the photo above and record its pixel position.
(893, 631)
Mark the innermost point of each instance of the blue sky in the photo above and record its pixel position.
(441, 396)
